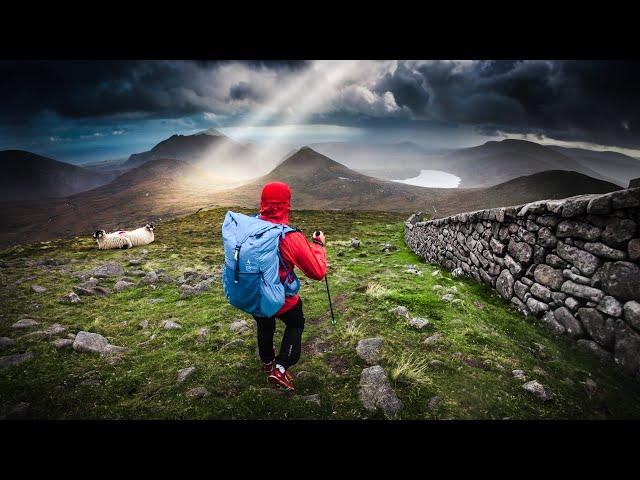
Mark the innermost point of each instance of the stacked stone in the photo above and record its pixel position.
(572, 263)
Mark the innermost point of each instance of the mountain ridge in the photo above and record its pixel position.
(29, 176)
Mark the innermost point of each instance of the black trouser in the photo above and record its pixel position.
(291, 340)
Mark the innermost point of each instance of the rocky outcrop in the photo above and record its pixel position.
(571, 263)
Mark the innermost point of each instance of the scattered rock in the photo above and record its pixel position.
(354, 243)
(144, 324)
(387, 248)
(114, 349)
(519, 375)
(197, 392)
(447, 297)
(15, 359)
(436, 363)
(62, 343)
(109, 269)
(375, 392)
(150, 278)
(537, 389)
(38, 289)
(170, 325)
(24, 323)
(49, 332)
(433, 339)
(185, 373)
(90, 342)
(413, 270)
(400, 311)
(419, 322)
(369, 349)
(434, 402)
(239, 326)
(122, 285)
(69, 298)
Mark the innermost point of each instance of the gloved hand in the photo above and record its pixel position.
(318, 237)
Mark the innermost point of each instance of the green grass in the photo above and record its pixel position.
(479, 348)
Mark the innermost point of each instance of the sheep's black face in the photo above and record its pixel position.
(149, 226)
(98, 234)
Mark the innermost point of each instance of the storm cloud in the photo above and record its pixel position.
(586, 101)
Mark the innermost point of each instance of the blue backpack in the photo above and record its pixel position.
(250, 278)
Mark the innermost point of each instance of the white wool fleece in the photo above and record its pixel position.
(139, 236)
(113, 240)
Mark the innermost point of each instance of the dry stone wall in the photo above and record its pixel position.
(572, 263)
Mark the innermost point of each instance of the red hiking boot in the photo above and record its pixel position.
(267, 367)
(280, 379)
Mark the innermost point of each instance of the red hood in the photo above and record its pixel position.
(275, 202)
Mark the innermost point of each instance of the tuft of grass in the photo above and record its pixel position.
(376, 290)
(411, 370)
(354, 330)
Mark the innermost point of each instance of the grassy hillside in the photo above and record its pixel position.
(482, 341)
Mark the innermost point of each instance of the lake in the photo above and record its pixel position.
(434, 179)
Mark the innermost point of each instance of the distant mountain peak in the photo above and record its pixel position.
(212, 131)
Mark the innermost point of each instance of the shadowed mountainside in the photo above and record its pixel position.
(617, 166)
(497, 162)
(146, 193)
(28, 176)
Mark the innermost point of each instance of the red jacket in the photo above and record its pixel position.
(295, 250)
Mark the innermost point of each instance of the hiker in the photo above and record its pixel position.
(259, 276)
(295, 251)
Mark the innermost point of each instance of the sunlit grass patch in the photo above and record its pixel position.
(376, 290)
(410, 369)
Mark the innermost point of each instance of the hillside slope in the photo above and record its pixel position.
(616, 166)
(166, 188)
(321, 183)
(210, 150)
(154, 190)
(28, 176)
(497, 162)
(475, 342)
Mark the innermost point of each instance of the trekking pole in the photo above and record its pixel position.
(326, 282)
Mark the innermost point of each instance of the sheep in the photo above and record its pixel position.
(124, 238)
(141, 236)
(109, 241)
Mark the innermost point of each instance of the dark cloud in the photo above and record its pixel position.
(593, 101)
(243, 91)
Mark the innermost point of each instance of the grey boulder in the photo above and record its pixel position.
(369, 349)
(375, 392)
